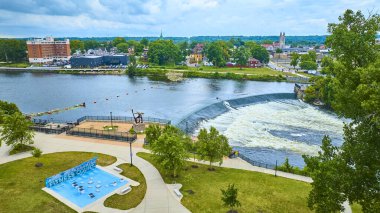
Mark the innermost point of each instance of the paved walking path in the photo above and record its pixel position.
(158, 198)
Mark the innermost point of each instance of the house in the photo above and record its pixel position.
(196, 55)
(253, 62)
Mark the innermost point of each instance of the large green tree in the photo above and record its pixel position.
(217, 52)
(241, 56)
(258, 52)
(16, 130)
(122, 47)
(294, 59)
(153, 132)
(351, 171)
(163, 52)
(12, 50)
(308, 61)
(212, 146)
(7, 108)
(118, 40)
(76, 45)
(170, 151)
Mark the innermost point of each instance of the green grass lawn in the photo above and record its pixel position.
(134, 197)
(21, 182)
(17, 65)
(254, 71)
(258, 192)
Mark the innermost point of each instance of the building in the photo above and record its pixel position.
(196, 55)
(282, 40)
(91, 61)
(253, 62)
(48, 50)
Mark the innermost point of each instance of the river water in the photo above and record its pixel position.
(264, 129)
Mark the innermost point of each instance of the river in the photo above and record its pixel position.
(265, 129)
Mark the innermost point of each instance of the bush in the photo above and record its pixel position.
(37, 152)
(18, 148)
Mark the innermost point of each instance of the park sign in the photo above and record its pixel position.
(70, 173)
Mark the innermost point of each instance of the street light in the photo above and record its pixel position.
(111, 120)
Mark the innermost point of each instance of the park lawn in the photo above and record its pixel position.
(258, 192)
(134, 197)
(21, 182)
(16, 65)
(253, 71)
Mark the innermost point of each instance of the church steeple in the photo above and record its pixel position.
(161, 37)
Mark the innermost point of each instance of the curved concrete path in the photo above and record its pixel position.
(158, 198)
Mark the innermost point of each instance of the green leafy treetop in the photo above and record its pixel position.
(229, 197)
(352, 171)
(212, 146)
(170, 151)
(16, 130)
(241, 56)
(152, 132)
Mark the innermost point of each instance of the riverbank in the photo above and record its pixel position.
(261, 74)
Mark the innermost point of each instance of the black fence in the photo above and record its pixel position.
(102, 134)
(122, 119)
(49, 130)
(255, 163)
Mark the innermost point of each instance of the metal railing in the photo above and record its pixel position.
(49, 130)
(122, 119)
(256, 163)
(102, 134)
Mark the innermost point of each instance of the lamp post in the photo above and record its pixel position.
(111, 120)
(130, 151)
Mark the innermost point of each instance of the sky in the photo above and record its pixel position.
(108, 18)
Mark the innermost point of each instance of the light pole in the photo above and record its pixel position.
(111, 120)
(130, 151)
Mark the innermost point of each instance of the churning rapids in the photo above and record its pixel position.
(275, 129)
(263, 120)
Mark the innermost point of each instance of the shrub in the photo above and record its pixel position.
(37, 152)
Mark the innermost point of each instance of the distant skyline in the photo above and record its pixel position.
(182, 18)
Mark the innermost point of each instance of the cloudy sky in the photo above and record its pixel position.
(93, 18)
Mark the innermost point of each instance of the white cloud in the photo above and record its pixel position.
(175, 17)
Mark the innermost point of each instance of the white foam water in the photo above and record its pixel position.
(299, 126)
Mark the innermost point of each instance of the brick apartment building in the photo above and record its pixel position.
(47, 50)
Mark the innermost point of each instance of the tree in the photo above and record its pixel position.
(118, 40)
(258, 52)
(144, 42)
(122, 47)
(170, 152)
(91, 44)
(184, 49)
(76, 45)
(308, 61)
(12, 50)
(217, 53)
(153, 132)
(241, 56)
(37, 152)
(353, 39)
(351, 171)
(212, 146)
(163, 52)
(295, 58)
(16, 130)
(229, 197)
(278, 50)
(7, 108)
(286, 167)
(132, 66)
(326, 170)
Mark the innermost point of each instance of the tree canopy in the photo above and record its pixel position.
(16, 130)
(352, 86)
(163, 52)
(258, 52)
(12, 50)
(241, 56)
(7, 108)
(217, 52)
(212, 146)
